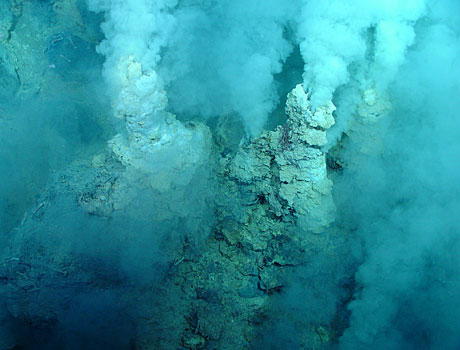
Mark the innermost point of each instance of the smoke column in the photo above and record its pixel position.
(405, 211)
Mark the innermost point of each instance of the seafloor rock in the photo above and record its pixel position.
(139, 230)
(168, 152)
(70, 56)
(6, 21)
(194, 342)
(199, 283)
(80, 242)
(287, 167)
(365, 131)
(9, 81)
(159, 152)
(48, 37)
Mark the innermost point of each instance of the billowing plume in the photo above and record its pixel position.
(216, 57)
(406, 205)
(223, 57)
(371, 35)
(133, 27)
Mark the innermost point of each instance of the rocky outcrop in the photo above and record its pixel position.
(287, 167)
(365, 131)
(155, 144)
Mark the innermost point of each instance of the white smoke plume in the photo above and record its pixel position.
(406, 203)
(372, 35)
(133, 27)
(396, 286)
(220, 57)
(223, 57)
(216, 57)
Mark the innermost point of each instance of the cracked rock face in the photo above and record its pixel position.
(287, 166)
(298, 107)
(212, 295)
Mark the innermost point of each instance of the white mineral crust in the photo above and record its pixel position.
(367, 129)
(303, 175)
(288, 167)
(155, 143)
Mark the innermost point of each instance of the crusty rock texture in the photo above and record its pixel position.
(287, 166)
(364, 131)
(207, 268)
(195, 238)
(162, 156)
(155, 143)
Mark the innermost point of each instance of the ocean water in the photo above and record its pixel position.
(215, 174)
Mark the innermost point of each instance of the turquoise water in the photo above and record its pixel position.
(229, 174)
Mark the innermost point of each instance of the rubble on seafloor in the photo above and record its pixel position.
(216, 276)
(229, 228)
